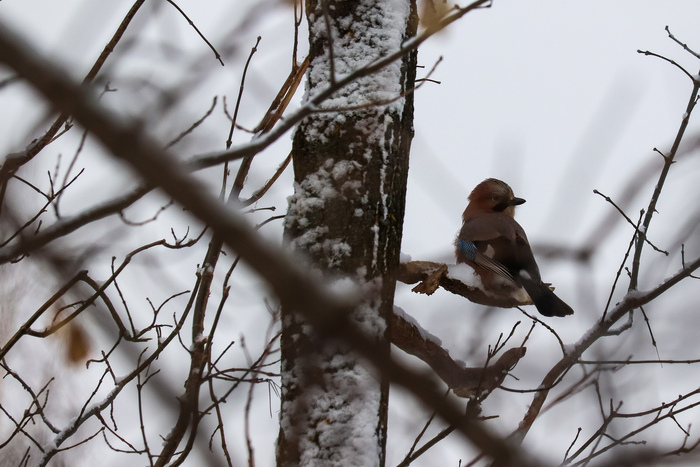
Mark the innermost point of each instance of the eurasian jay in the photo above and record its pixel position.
(495, 245)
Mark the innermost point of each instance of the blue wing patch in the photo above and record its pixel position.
(468, 248)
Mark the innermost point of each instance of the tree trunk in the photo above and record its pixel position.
(346, 218)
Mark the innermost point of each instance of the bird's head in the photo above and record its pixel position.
(492, 195)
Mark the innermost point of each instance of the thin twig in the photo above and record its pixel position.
(193, 126)
(216, 54)
(682, 44)
(668, 161)
(629, 221)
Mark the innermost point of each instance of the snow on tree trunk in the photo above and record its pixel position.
(346, 217)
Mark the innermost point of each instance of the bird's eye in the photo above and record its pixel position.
(496, 198)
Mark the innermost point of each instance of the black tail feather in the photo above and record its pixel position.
(547, 303)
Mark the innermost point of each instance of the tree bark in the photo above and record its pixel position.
(346, 219)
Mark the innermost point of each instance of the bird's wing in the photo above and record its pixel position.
(472, 253)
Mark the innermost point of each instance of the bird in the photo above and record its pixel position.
(496, 247)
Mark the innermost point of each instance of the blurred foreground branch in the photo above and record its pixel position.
(295, 288)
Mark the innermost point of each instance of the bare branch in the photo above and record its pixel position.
(216, 54)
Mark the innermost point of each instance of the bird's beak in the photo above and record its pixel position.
(516, 201)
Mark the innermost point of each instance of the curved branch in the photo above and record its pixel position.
(465, 382)
(433, 275)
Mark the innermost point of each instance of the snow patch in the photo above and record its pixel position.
(339, 408)
(465, 274)
(425, 335)
(310, 199)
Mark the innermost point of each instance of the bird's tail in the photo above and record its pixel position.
(547, 303)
